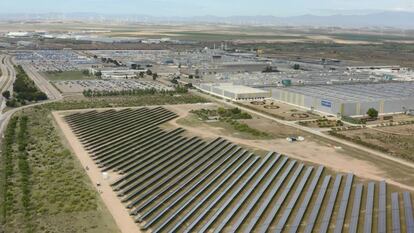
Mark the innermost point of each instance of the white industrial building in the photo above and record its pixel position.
(234, 92)
(350, 100)
(116, 73)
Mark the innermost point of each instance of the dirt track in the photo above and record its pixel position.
(119, 212)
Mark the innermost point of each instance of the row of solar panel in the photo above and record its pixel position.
(174, 183)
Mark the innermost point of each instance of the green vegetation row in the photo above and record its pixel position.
(358, 140)
(372, 114)
(7, 169)
(230, 116)
(353, 120)
(245, 128)
(323, 123)
(126, 101)
(134, 92)
(232, 113)
(16, 174)
(23, 164)
(261, 111)
(24, 89)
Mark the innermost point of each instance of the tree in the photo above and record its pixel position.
(98, 74)
(372, 113)
(235, 111)
(85, 72)
(149, 72)
(296, 67)
(6, 94)
(11, 103)
(155, 76)
(268, 69)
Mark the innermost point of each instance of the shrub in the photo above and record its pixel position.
(372, 113)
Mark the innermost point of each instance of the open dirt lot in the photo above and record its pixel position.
(313, 149)
(390, 119)
(395, 140)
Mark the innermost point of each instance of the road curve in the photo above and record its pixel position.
(6, 83)
(7, 78)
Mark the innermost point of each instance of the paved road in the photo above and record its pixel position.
(6, 83)
(7, 78)
(317, 133)
(42, 83)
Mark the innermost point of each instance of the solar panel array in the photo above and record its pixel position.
(396, 225)
(170, 182)
(356, 208)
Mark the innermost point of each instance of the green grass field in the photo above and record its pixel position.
(67, 75)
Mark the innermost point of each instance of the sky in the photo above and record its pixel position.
(206, 7)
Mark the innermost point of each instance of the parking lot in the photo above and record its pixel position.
(55, 60)
(76, 86)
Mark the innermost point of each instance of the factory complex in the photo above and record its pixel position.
(350, 100)
(329, 87)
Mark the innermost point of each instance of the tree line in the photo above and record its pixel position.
(24, 90)
(134, 92)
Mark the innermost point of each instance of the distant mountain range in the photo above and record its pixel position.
(393, 19)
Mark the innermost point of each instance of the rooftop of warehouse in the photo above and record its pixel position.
(238, 89)
(357, 92)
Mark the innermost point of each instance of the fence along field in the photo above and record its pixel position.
(173, 183)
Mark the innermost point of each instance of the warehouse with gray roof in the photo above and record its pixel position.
(234, 92)
(350, 100)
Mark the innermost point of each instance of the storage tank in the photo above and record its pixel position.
(287, 82)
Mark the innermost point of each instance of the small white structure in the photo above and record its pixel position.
(18, 34)
(105, 175)
(295, 139)
(116, 73)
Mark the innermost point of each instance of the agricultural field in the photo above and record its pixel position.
(168, 180)
(395, 140)
(354, 54)
(370, 47)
